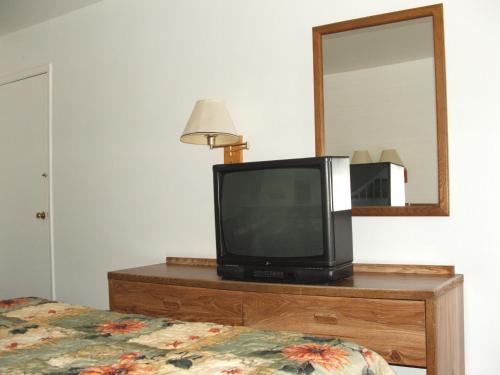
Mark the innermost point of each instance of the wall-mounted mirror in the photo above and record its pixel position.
(380, 97)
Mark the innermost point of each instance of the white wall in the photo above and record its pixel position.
(127, 192)
(384, 107)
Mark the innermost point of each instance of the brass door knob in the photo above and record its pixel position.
(41, 215)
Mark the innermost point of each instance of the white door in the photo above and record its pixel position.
(25, 262)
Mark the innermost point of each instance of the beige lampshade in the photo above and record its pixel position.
(361, 157)
(210, 118)
(391, 156)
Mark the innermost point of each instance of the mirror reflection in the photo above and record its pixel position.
(380, 108)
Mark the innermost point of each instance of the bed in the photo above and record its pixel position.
(38, 336)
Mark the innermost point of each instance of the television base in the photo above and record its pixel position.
(300, 275)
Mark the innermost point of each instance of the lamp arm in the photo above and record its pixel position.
(234, 146)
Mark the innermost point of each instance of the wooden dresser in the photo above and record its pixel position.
(412, 315)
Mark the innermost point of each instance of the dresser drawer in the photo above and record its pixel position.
(393, 328)
(177, 302)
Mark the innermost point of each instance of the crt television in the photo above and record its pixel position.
(284, 220)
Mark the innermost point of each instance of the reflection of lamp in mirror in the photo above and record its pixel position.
(211, 125)
(392, 156)
(361, 157)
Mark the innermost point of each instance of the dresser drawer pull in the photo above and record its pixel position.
(327, 318)
(396, 356)
(171, 305)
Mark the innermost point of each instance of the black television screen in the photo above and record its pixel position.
(273, 212)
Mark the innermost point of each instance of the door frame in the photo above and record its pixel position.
(19, 76)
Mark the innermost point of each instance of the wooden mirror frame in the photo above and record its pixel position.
(436, 11)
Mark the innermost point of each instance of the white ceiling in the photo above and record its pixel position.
(18, 14)
(378, 45)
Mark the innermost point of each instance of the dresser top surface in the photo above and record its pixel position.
(361, 284)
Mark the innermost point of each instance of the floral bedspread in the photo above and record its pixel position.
(46, 337)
